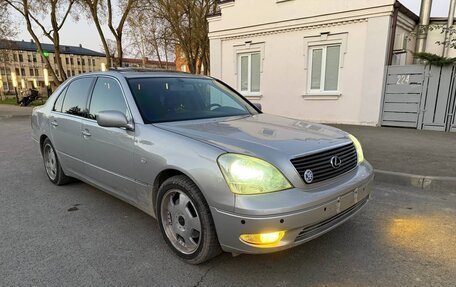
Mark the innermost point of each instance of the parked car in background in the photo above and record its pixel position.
(216, 172)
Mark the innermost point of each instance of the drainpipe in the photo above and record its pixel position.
(446, 48)
(425, 16)
(393, 32)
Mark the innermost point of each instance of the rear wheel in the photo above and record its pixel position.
(52, 165)
(185, 220)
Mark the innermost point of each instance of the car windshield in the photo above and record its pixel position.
(180, 99)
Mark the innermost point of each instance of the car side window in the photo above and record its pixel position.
(58, 103)
(75, 102)
(107, 96)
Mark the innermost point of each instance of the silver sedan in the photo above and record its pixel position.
(216, 172)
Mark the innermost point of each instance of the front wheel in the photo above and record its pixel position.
(185, 220)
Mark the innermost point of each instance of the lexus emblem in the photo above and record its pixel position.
(308, 176)
(336, 162)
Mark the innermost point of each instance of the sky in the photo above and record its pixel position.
(83, 32)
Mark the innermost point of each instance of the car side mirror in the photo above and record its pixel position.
(113, 119)
(257, 105)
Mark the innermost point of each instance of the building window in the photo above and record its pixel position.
(79, 61)
(31, 72)
(71, 61)
(23, 72)
(29, 58)
(37, 74)
(68, 73)
(21, 58)
(93, 62)
(249, 70)
(15, 57)
(324, 63)
(67, 61)
(83, 62)
(34, 58)
(18, 72)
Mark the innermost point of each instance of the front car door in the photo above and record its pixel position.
(66, 125)
(108, 152)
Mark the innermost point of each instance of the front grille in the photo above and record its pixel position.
(320, 163)
(310, 231)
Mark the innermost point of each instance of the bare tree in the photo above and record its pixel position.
(106, 12)
(7, 31)
(125, 7)
(112, 46)
(149, 36)
(189, 27)
(96, 12)
(59, 11)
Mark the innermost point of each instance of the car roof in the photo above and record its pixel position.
(130, 73)
(145, 73)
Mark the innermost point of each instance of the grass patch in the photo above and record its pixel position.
(12, 101)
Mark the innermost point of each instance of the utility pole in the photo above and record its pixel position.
(446, 47)
(423, 26)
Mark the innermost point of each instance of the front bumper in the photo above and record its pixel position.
(319, 212)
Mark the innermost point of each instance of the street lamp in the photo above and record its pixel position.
(14, 80)
(46, 82)
(1, 88)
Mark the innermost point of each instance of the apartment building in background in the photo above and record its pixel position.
(22, 60)
(148, 64)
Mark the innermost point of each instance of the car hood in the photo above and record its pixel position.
(260, 134)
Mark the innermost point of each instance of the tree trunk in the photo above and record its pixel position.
(38, 43)
(94, 12)
(119, 50)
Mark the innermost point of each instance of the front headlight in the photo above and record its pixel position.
(250, 175)
(359, 149)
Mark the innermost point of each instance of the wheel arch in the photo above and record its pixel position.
(163, 176)
(43, 137)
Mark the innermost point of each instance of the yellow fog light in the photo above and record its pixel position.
(263, 238)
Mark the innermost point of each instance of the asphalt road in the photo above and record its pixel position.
(78, 235)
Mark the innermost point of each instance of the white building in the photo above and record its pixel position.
(322, 61)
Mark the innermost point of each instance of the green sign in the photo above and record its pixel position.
(45, 53)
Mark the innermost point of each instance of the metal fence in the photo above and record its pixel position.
(421, 97)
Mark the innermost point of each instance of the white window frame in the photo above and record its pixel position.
(248, 47)
(319, 40)
(249, 91)
(324, 49)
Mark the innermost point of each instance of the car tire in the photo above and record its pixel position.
(180, 206)
(52, 164)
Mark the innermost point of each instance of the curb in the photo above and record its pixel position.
(3, 117)
(432, 183)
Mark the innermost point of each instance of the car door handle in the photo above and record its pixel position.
(86, 133)
(54, 124)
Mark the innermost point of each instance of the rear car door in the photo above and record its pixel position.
(66, 125)
(108, 152)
